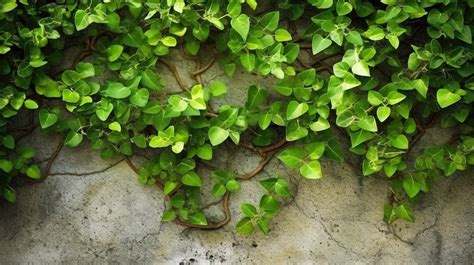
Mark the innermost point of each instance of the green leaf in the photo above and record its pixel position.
(241, 24)
(73, 139)
(169, 187)
(319, 43)
(198, 219)
(256, 96)
(383, 112)
(311, 170)
(169, 41)
(168, 216)
(400, 142)
(375, 98)
(404, 212)
(31, 104)
(191, 179)
(281, 187)
(47, 119)
(140, 97)
(117, 90)
(248, 61)
(70, 77)
(421, 85)
(446, 98)
(295, 110)
(368, 123)
(321, 4)
(81, 20)
(6, 165)
(248, 210)
(70, 96)
(410, 186)
(361, 68)
(232, 185)
(395, 97)
(150, 79)
(217, 135)
(354, 38)
(282, 35)
(205, 152)
(374, 33)
(33, 172)
(333, 150)
(245, 226)
(359, 137)
(269, 204)
(292, 156)
(85, 70)
(114, 52)
(343, 8)
(115, 126)
(218, 88)
(270, 21)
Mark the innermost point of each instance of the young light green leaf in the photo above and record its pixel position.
(241, 24)
(217, 135)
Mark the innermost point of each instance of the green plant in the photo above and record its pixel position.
(376, 72)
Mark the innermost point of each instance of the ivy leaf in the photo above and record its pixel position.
(383, 112)
(114, 52)
(295, 110)
(47, 119)
(360, 137)
(410, 186)
(292, 156)
(368, 123)
(282, 35)
(241, 24)
(191, 179)
(404, 212)
(400, 142)
(151, 80)
(256, 96)
(198, 219)
(311, 170)
(395, 97)
(140, 97)
(117, 90)
(319, 43)
(217, 135)
(81, 20)
(446, 98)
(248, 61)
(218, 88)
(361, 68)
(73, 139)
(321, 4)
(248, 210)
(33, 172)
(270, 21)
(245, 226)
(269, 204)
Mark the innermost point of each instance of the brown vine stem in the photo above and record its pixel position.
(213, 226)
(175, 73)
(206, 67)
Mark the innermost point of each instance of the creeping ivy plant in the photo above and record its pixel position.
(353, 78)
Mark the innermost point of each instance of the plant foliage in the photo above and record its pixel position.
(376, 72)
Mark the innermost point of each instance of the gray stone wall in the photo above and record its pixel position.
(94, 211)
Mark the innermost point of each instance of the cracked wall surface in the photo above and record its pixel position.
(93, 211)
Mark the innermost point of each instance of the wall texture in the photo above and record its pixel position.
(90, 210)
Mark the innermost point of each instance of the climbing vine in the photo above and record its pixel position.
(377, 73)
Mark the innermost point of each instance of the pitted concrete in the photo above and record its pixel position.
(94, 211)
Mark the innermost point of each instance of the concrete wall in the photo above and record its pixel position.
(90, 210)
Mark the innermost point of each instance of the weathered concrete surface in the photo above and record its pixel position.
(94, 211)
